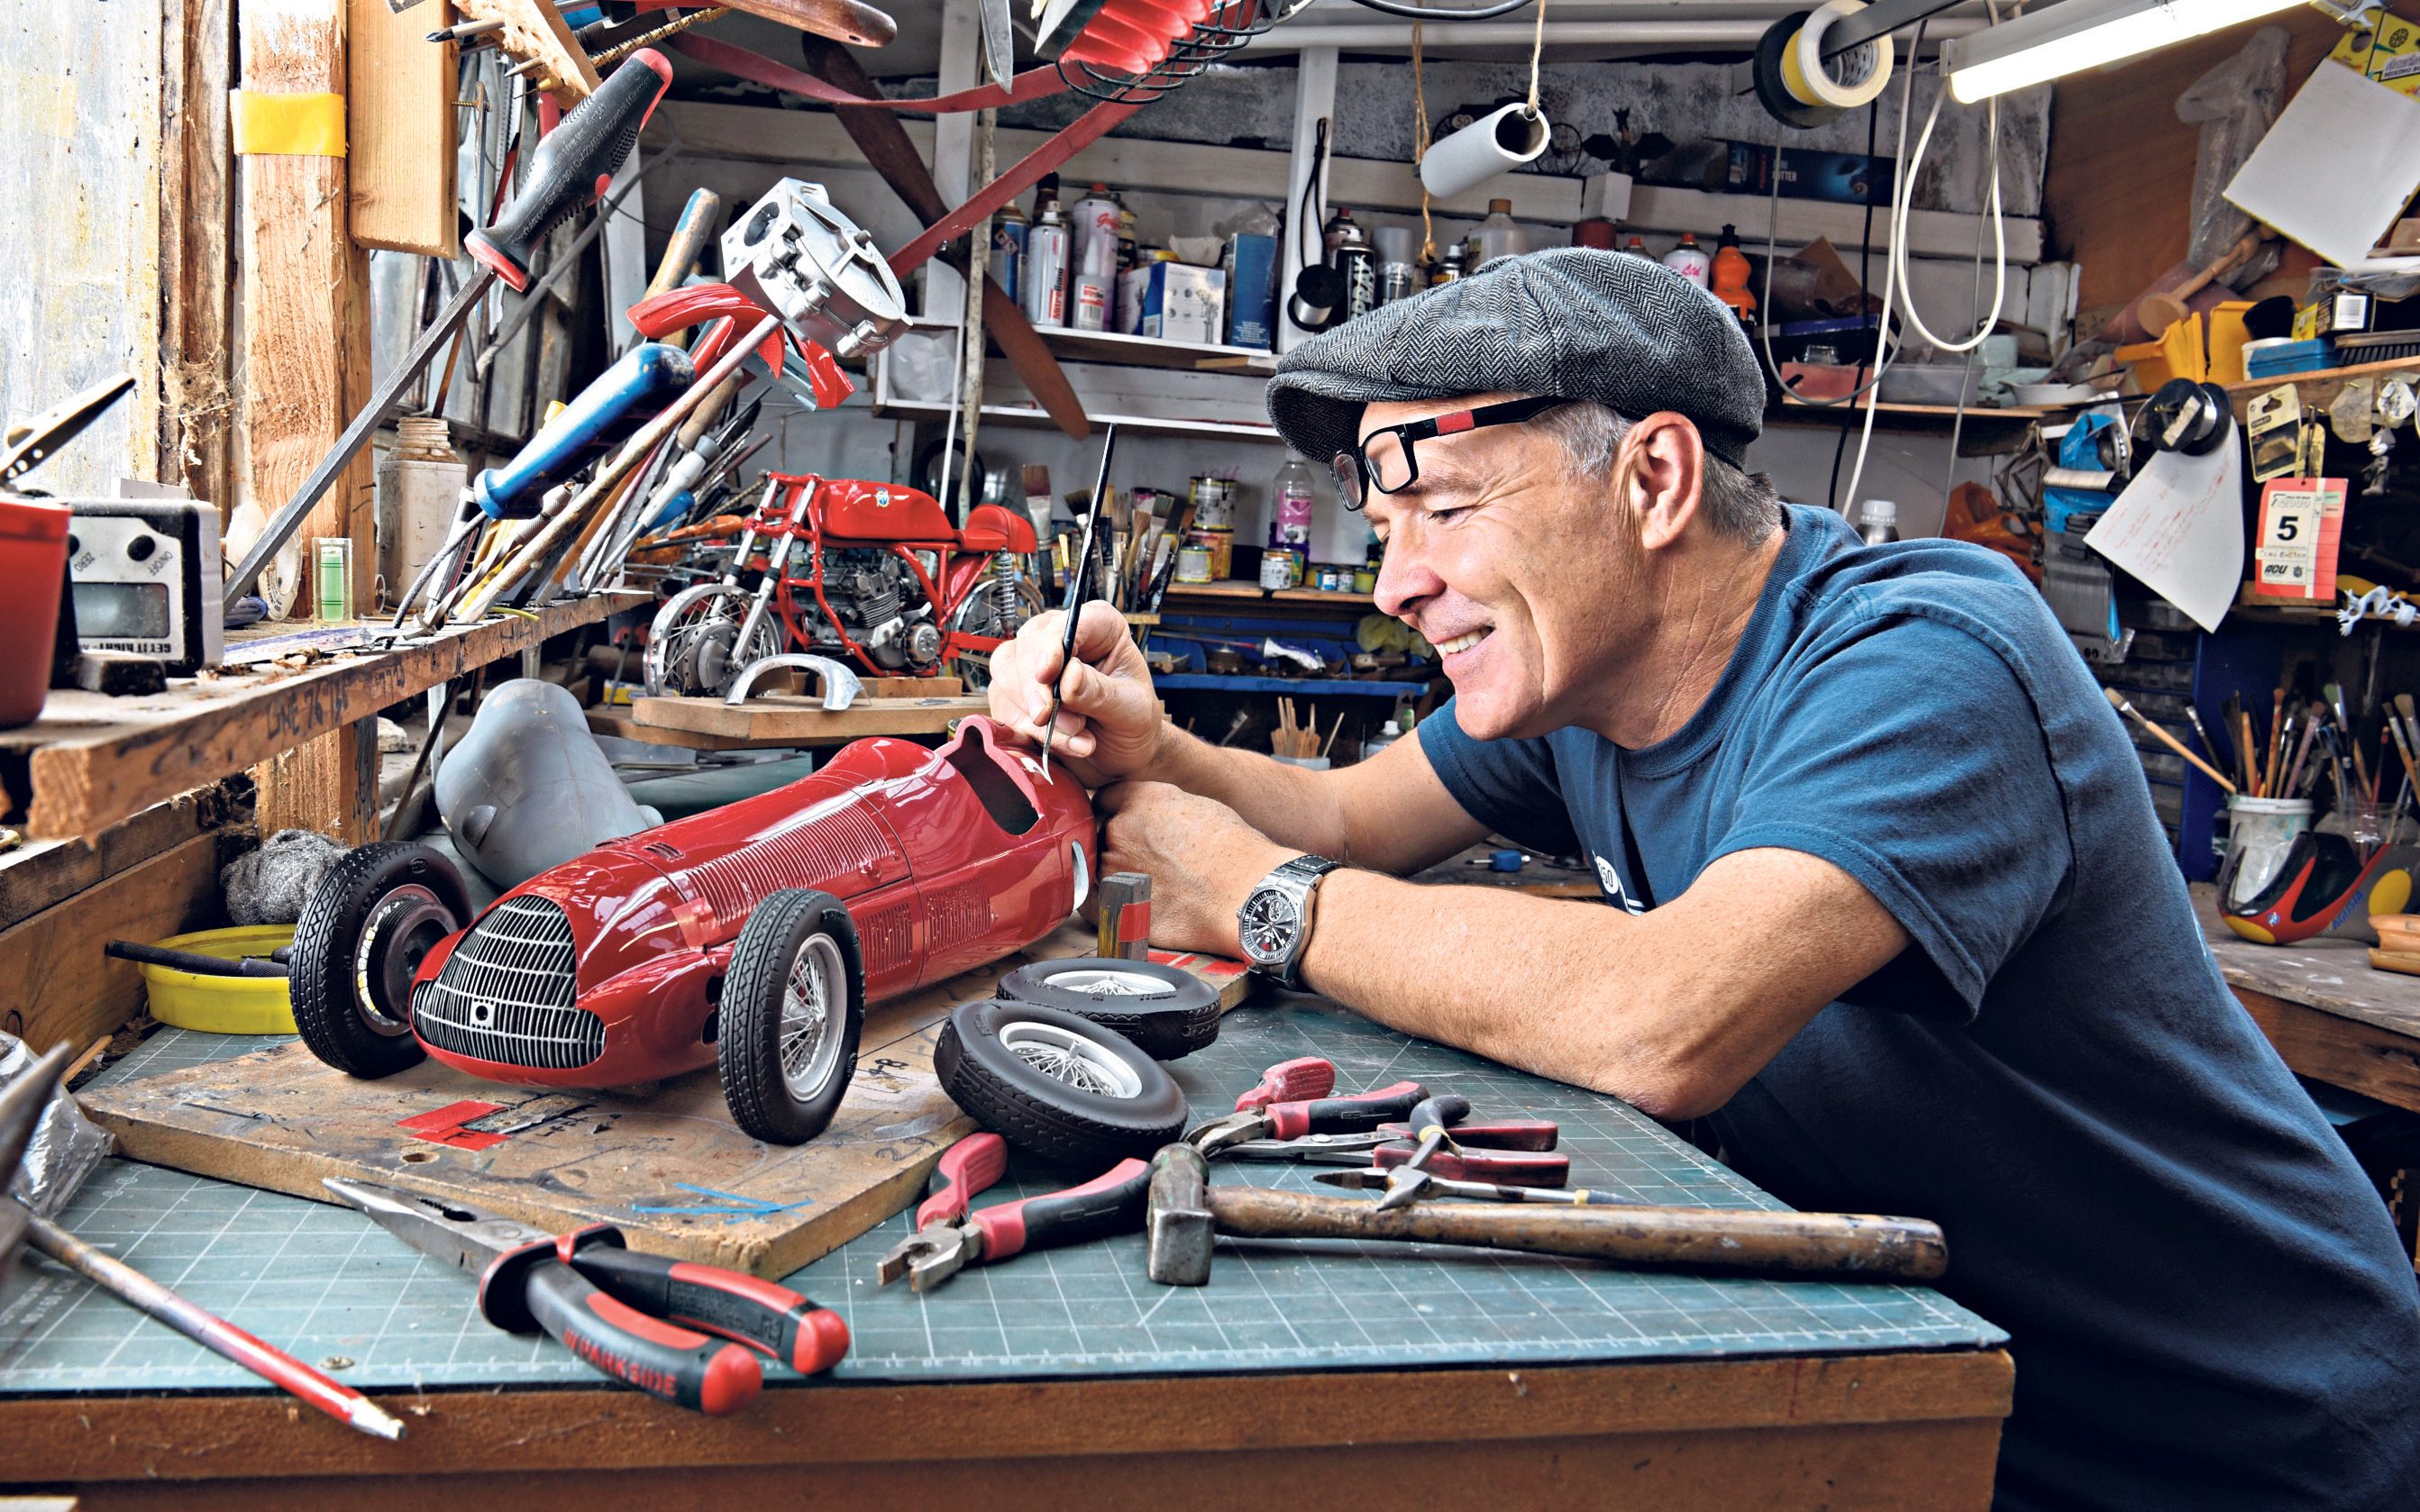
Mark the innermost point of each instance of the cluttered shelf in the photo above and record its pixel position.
(2334, 378)
(1254, 593)
(1315, 687)
(92, 760)
(1905, 416)
(1035, 419)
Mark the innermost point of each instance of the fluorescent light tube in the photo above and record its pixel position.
(2075, 34)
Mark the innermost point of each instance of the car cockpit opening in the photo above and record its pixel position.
(973, 757)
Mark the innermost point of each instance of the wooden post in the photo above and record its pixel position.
(399, 128)
(196, 273)
(305, 370)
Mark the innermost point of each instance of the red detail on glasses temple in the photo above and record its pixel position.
(1459, 421)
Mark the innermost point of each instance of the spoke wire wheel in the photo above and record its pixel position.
(693, 646)
(1076, 1059)
(1108, 981)
(808, 1046)
(1056, 1084)
(977, 615)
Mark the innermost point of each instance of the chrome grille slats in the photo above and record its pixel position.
(506, 993)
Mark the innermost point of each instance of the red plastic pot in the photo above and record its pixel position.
(33, 558)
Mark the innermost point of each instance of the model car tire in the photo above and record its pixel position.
(1168, 1012)
(364, 931)
(787, 1023)
(1056, 1082)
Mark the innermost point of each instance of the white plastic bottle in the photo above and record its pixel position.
(1496, 236)
(1878, 522)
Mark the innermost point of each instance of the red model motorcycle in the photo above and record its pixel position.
(870, 573)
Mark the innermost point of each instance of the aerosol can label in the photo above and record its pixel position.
(1046, 274)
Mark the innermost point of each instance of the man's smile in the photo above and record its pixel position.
(1464, 642)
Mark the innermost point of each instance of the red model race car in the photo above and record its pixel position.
(750, 936)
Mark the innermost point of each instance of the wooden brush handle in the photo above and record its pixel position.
(1697, 1239)
(2117, 700)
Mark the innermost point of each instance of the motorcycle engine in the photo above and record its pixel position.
(881, 605)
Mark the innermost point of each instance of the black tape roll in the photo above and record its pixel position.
(1772, 93)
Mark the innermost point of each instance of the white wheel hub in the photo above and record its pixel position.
(812, 1010)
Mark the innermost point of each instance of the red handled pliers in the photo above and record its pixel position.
(948, 1237)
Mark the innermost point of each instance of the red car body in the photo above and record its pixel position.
(604, 971)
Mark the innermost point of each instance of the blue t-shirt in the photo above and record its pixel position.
(2208, 1304)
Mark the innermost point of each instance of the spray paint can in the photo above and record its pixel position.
(1690, 261)
(1046, 267)
(1008, 231)
(1355, 263)
(1092, 257)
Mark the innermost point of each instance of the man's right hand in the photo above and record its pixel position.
(1111, 724)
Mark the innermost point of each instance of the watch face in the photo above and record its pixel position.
(1268, 920)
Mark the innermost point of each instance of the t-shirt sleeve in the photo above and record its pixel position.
(1511, 786)
(1912, 758)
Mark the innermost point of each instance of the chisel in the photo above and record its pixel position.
(568, 171)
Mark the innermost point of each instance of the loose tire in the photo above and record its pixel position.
(1056, 1084)
(364, 932)
(793, 1005)
(1169, 1012)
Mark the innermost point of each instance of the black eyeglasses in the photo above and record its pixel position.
(1385, 459)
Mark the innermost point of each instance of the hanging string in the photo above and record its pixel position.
(1537, 45)
(1421, 148)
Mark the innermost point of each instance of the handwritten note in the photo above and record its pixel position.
(2179, 527)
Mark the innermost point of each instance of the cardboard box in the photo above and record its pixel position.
(1181, 302)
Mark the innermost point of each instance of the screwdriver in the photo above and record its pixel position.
(569, 170)
(1076, 571)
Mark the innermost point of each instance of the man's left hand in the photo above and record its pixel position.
(1202, 860)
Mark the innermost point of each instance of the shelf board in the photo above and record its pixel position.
(2334, 377)
(1149, 351)
(1906, 416)
(1314, 687)
(1037, 420)
(1256, 594)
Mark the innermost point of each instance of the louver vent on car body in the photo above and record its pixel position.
(505, 993)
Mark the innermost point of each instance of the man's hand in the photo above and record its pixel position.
(1109, 720)
(1202, 861)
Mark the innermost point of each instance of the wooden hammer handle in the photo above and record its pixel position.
(1697, 1239)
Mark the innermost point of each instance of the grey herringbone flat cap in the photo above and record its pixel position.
(1574, 321)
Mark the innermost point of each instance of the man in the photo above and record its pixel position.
(1892, 914)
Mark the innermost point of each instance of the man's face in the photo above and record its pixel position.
(1521, 574)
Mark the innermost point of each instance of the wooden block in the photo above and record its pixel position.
(41, 874)
(2402, 960)
(669, 1168)
(1125, 917)
(795, 721)
(63, 988)
(196, 275)
(399, 118)
(305, 297)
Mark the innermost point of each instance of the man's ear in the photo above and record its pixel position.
(1666, 471)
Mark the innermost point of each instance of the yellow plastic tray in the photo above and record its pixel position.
(223, 1004)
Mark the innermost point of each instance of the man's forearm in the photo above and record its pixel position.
(1288, 804)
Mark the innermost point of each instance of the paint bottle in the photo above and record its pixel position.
(1292, 494)
(1008, 232)
(1690, 261)
(1092, 256)
(1635, 248)
(1046, 269)
(1349, 251)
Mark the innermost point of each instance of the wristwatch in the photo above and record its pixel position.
(1274, 924)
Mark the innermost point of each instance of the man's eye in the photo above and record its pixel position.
(1447, 517)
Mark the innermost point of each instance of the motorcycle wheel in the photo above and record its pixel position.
(692, 645)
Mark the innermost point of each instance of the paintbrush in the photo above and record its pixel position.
(2334, 693)
(1074, 603)
(2117, 702)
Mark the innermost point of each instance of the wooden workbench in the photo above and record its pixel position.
(2330, 1013)
(91, 761)
(1061, 1380)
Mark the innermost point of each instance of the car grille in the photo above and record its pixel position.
(505, 993)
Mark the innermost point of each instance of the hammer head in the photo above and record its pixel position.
(1177, 1219)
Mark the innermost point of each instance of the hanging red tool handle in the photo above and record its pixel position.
(1344, 1114)
(573, 164)
(769, 1318)
(967, 1167)
(533, 1288)
(1107, 1204)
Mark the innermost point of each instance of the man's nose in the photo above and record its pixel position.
(1403, 580)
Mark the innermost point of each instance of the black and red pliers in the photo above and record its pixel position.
(642, 1319)
(949, 1237)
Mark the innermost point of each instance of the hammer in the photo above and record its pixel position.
(1185, 1212)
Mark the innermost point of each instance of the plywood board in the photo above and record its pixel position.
(399, 120)
(668, 1167)
(62, 989)
(786, 721)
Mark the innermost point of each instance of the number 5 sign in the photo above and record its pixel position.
(2296, 550)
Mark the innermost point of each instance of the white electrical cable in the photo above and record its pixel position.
(1903, 200)
(1892, 240)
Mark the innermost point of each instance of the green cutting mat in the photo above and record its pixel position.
(328, 1285)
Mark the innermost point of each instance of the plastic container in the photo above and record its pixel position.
(2259, 834)
(34, 560)
(1878, 522)
(1498, 236)
(1934, 383)
(223, 1004)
